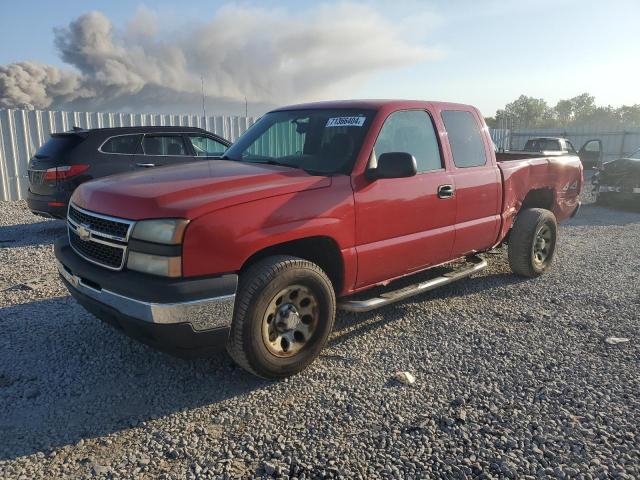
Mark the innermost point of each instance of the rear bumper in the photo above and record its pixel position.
(41, 204)
(181, 316)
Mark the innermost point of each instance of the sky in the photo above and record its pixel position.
(485, 53)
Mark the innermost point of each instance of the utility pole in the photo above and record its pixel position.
(246, 107)
(204, 111)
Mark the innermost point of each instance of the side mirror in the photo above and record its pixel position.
(394, 165)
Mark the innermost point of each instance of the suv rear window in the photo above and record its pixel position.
(58, 145)
(122, 144)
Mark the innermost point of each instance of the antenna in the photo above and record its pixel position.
(204, 111)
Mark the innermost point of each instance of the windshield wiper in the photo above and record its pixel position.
(284, 164)
(272, 162)
(317, 173)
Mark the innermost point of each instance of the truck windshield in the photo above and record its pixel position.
(320, 141)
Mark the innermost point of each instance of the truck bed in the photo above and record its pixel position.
(522, 155)
(552, 181)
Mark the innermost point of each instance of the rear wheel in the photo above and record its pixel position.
(532, 242)
(283, 316)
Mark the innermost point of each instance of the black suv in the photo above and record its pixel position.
(71, 158)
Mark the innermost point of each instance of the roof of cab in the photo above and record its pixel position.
(367, 104)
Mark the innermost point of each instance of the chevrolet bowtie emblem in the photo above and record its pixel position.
(83, 232)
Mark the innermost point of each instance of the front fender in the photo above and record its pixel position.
(221, 241)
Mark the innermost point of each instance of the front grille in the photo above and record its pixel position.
(99, 224)
(98, 238)
(36, 177)
(106, 255)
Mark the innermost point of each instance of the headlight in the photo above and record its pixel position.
(166, 230)
(155, 264)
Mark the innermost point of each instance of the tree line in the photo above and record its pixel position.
(581, 110)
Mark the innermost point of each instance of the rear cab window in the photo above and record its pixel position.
(543, 145)
(123, 144)
(465, 138)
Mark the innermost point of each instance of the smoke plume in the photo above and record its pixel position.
(270, 57)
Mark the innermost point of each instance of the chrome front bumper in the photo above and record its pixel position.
(202, 314)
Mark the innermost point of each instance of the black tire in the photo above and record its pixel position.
(259, 286)
(524, 255)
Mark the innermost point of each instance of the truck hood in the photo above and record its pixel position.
(192, 189)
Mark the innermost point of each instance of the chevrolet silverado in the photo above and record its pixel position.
(313, 207)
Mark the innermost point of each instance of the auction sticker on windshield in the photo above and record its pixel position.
(345, 122)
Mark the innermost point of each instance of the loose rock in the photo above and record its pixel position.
(505, 391)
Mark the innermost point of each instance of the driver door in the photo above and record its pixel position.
(405, 224)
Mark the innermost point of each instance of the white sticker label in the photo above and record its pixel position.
(345, 122)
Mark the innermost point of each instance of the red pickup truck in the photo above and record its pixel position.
(313, 204)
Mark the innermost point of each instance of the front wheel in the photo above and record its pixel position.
(532, 242)
(283, 316)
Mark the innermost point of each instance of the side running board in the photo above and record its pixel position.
(476, 264)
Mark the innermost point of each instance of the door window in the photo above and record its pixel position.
(206, 147)
(465, 138)
(592, 146)
(125, 144)
(168, 145)
(411, 132)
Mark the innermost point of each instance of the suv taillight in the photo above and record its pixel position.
(64, 172)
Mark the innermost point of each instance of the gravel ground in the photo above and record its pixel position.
(514, 379)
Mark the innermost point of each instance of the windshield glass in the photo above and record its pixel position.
(635, 154)
(320, 141)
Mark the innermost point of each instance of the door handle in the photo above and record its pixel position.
(146, 165)
(445, 191)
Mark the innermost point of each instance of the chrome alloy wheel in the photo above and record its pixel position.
(542, 244)
(290, 321)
